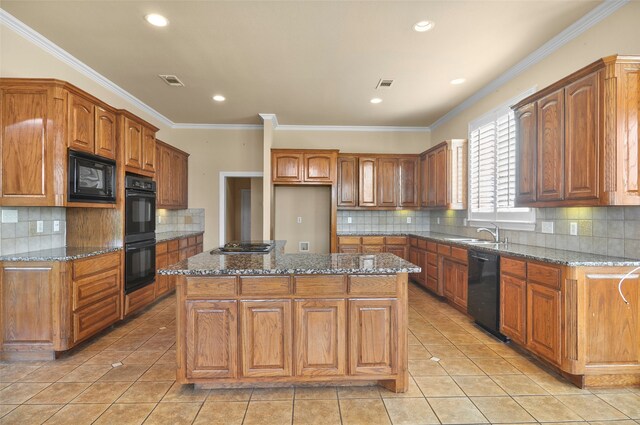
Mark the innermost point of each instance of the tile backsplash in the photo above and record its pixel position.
(23, 236)
(613, 231)
(382, 221)
(191, 219)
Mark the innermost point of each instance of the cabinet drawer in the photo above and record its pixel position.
(199, 239)
(432, 272)
(183, 243)
(432, 258)
(95, 317)
(192, 241)
(422, 244)
(320, 285)
(396, 240)
(543, 274)
(205, 287)
(372, 285)
(138, 299)
(92, 265)
(373, 240)
(261, 285)
(161, 248)
(432, 247)
(513, 267)
(459, 254)
(173, 257)
(173, 245)
(444, 249)
(349, 240)
(372, 249)
(413, 242)
(94, 288)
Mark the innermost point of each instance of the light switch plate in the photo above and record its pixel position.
(547, 227)
(408, 220)
(9, 216)
(299, 220)
(573, 228)
(349, 220)
(438, 220)
(39, 226)
(464, 221)
(56, 225)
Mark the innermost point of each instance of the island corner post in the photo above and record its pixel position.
(303, 329)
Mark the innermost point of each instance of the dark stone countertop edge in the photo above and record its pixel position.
(169, 236)
(248, 272)
(58, 254)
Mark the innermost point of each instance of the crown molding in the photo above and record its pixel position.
(371, 128)
(195, 126)
(593, 17)
(270, 117)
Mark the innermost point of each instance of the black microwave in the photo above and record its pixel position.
(91, 178)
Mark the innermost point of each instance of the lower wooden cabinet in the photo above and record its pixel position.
(141, 298)
(513, 307)
(94, 318)
(455, 283)
(372, 330)
(543, 321)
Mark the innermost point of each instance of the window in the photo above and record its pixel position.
(492, 173)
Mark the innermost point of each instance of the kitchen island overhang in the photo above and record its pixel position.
(282, 319)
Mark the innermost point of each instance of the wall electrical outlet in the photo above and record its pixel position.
(56, 225)
(408, 220)
(9, 216)
(39, 226)
(464, 221)
(573, 228)
(547, 227)
(303, 246)
(299, 220)
(349, 220)
(438, 220)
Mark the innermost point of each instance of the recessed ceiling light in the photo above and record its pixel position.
(157, 20)
(375, 100)
(423, 26)
(219, 98)
(458, 81)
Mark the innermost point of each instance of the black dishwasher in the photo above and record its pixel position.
(484, 291)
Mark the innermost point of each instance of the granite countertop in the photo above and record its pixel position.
(210, 263)
(58, 254)
(168, 236)
(549, 255)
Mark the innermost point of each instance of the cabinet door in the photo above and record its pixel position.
(513, 304)
(105, 133)
(148, 150)
(424, 181)
(166, 177)
(442, 171)
(543, 321)
(319, 167)
(182, 198)
(582, 138)
(415, 257)
(132, 144)
(162, 281)
(409, 182)
(320, 337)
(286, 167)
(266, 338)
(387, 176)
(212, 335)
(550, 163)
(95, 317)
(432, 180)
(526, 154)
(449, 278)
(461, 285)
(349, 249)
(372, 249)
(176, 175)
(81, 122)
(347, 181)
(367, 193)
(373, 327)
(400, 251)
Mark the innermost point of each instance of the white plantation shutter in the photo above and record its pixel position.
(482, 159)
(505, 162)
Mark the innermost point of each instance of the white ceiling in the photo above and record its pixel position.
(309, 62)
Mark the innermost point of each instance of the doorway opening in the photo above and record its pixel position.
(240, 207)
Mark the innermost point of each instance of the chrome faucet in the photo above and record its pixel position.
(495, 232)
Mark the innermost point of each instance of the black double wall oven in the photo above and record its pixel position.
(140, 232)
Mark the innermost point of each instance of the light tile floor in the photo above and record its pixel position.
(476, 380)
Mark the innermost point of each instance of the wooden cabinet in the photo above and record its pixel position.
(444, 181)
(105, 131)
(91, 127)
(163, 283)
(367, 182)
(171, 177)
(289, 166)
(543, 321)
(513, 307)
(455, 285)
(347, 181)
(387, 182)
(396, 245)
(148, 150)
(409, 178)
(373, 339)
(577, 140)
(399, 250)
(139, 140)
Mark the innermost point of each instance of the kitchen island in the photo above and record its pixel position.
(281, 319)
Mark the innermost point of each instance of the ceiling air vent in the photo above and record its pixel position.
(172, 80)
(384, 83)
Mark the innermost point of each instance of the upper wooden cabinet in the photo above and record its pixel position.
(577, 140)
(409, 176)
(139, 142)
(92, 127)
(387, 182)
(289, 166)
(347, 181)
(367, 182)
(172, 172)
(444, 181)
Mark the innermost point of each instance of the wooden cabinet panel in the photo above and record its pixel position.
(265, 285)
(513, 305)
(416, 257)
(424, 181)
(582, 138)
(387, 182)
(517, 268)
(287, 167)
(81, 134)
(105, 133)
(319, 167)
(93, 288)
(543, 322)
(207, 287)
(347, 181)
(449, 278)
(399, 250)
(544, 274)
(320, 337)
(409, 182)
(441, 176)
(162, 281)
(550, 112)
(367, 182)
(266, 338)
(628, 93)
(212, 332)
(372, 240)
(432, 180)
(372, 249)
(95, 317)
(171, 176)
(349, 249)
(372, 330)
(314, 285)
(372, 284)
(148, 150)
(526, 153)
(460, 294)
(133, 144)
(138, 299)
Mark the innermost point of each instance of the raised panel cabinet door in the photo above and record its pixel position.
(442, 171)
(400, 251)
(81, 124)
(415, 257)
(320, 337)
(319, 167)
(162, 281)
(582, 137)
(373, 331)
(132, 144)
(148, 150)
(449, 278)
(105, 133)
(183, 197)
(629, 98)
(91, 319)
(286, 167)
(367, 192)
(347, 181)
(461, 285)
(409, 182)
(432, 180)
(424, 181)
(543, 321)
(550, 164)
(372, 249)
(176, 191)
(212, 339)
(266, 338)
(349, 249)
(513, 305)
(166, 176)
(387, 176)
(526, 154)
